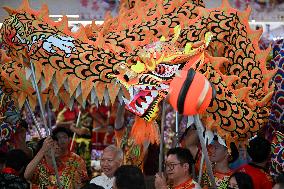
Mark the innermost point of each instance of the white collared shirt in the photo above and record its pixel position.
(103, 181)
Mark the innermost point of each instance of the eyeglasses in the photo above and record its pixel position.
(170, 166)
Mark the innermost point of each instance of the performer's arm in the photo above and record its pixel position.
(47, 144)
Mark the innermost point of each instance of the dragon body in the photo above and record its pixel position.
(134, 57)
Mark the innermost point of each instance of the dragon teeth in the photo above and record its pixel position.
(148, 99)
(140, 110)
(131, 92)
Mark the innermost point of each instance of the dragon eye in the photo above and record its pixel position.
(166, 71)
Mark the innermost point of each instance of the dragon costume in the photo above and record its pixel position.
(135, 55)
(8, 109)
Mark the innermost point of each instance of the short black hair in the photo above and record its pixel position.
(63, 130)
(234, 152)
(23, 124)
(92, 186)
(192, 127)
(244, 181)
(129, 177)
(183, 155)
(16, 159)
(259, 149)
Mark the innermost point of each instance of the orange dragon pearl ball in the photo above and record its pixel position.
(191, 93)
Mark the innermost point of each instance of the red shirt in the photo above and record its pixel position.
(261, 179)
(189, 184)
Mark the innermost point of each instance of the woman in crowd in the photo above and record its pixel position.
(240, 180)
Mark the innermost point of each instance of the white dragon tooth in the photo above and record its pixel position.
(140, 110)
(143, 87)
(136, 91)
(78, 91)
(148, 99)
(106, 97)
(163, 86)
(154, 94)
(145, 105)
(131, 92)
(93, 96)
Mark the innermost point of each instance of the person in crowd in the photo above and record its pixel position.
(111, 159)
(11, 174)
(190, 140)
(259, 150)
(92, 186)
(129, 177)
(82, 142)
(20, 138)
(220, 158)
(71, 167)
(279, 182)
(178, 170)
(239, 180)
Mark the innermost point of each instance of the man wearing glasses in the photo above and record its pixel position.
(178, 171)
(111, 159)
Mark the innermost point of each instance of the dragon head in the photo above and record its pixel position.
(16, 31)
(148, 79)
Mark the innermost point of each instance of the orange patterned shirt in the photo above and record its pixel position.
(72, 173)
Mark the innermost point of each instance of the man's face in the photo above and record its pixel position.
(109, 163)
(63, 141)
(175, 170)
(217, 152)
